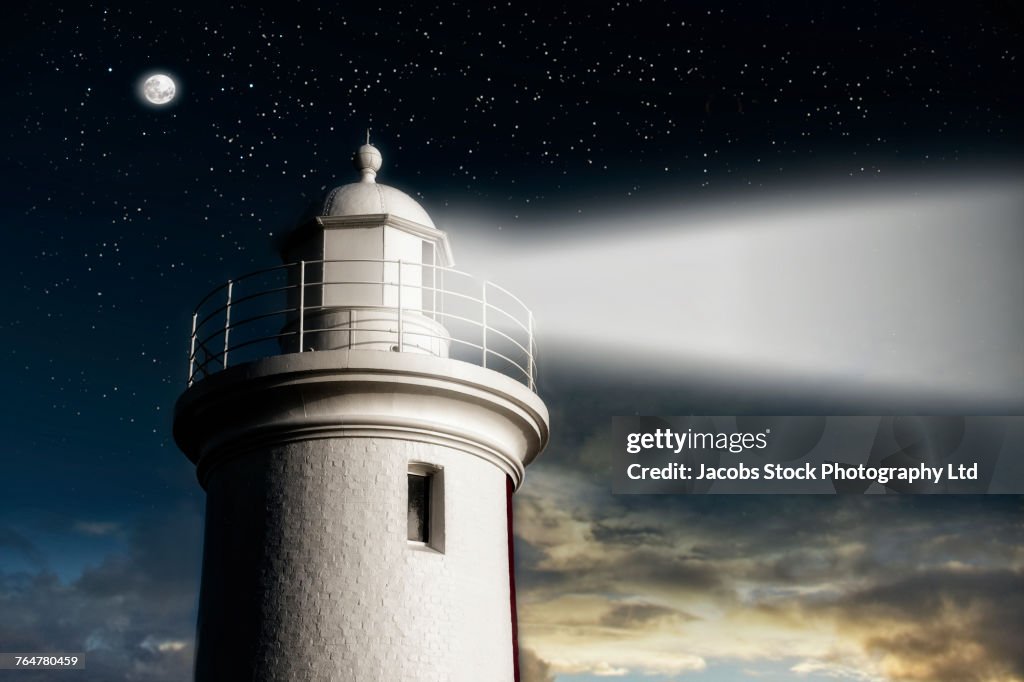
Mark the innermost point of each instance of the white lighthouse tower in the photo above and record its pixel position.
(359, 418)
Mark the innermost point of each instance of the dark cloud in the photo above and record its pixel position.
(97, 528)
(600, 571)
(637, 615)
(533, 669)
(924, 588)
(133, 615)
(647, 565)
(941, 625)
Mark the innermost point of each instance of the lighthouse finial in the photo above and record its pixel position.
(367, 160)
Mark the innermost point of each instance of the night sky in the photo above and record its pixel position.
(120, 215)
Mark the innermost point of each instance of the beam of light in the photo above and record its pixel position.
(916, 287)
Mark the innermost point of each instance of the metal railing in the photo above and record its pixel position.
(372, 304)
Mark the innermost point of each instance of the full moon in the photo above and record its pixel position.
(159, 89)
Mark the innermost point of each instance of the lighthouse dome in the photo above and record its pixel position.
(370, 197)
(362, 198)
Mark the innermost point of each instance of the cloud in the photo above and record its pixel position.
(533, 669)
(959, 625)
(833, 670)
(133, 615)
(884, 589)
(97, 527)
(632, 615)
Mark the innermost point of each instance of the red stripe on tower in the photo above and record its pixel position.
(509, 488)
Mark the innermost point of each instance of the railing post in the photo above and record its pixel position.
(433, 286)
(483, 326)
(400, 330)
(439, 284)
(529, 344)
(192, 349)
(302, 304)
(227, 325)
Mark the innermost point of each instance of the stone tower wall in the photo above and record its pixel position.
(308, 573)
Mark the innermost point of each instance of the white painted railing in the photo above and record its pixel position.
(436, 310)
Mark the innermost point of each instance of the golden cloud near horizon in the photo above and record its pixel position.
(880, 590)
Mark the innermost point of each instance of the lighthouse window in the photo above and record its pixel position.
(427, 277)
(426, 506)
(419, 507)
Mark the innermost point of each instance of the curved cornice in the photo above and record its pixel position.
(347, 393)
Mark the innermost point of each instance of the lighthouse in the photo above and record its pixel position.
(359, 418)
